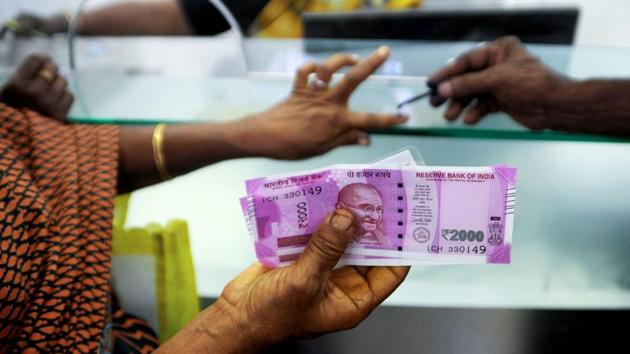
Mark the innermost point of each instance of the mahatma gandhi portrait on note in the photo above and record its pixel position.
(366, 203)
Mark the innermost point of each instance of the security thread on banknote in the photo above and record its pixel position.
(407, 215)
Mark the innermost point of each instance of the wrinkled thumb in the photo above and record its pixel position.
(328, 243)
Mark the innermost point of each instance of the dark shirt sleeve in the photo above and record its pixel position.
(206, 20)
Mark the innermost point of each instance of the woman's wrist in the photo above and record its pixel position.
(249, 137)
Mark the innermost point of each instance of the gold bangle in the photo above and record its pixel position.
(158, 152)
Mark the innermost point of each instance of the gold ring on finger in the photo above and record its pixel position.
(46, 75)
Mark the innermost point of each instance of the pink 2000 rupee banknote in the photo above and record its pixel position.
(407, 215)
(402, 158)
(405, 157)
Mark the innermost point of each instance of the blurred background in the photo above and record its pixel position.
(591, 28)
(569, 282)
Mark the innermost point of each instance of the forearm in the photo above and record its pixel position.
(308, 123)
(185, 148)
(591, 106)
(159, 18)
(212, 331)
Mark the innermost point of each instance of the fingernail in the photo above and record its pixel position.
(383, 51)
(342, 220)
(355, 57)
(319, 83)
(436, 100)
(445, 89)
(433, 84)
(402, 117)
(364, 140)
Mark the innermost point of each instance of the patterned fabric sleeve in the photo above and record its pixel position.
(57, 184)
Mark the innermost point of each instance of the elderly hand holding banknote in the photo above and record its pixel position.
(264, 306)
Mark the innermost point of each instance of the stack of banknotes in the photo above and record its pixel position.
(405, 213)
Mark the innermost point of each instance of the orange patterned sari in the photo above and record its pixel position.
(57, 186)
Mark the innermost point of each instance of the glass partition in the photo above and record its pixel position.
(571, 239)
(219, 91)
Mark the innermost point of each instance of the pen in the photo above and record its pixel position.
(414, 99)
(432, 91)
